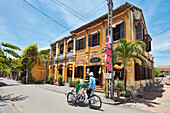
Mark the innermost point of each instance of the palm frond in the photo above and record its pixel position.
(144, 63)
(10, 46)
(14, 54)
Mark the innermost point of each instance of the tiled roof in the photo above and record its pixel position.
(164, 66)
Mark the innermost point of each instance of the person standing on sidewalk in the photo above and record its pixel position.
(92, 84)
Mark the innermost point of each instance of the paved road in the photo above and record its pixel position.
(31, 99)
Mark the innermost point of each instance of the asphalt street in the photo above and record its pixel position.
(31, 99)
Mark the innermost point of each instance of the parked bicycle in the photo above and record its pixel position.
(79, 96)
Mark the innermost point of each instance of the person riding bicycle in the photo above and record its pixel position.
(92, 84)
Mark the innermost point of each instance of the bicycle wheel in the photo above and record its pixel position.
(82, 97)
(95, 102)
(71, 97)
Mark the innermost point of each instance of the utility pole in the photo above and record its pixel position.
(110, 34)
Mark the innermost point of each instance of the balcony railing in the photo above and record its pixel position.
(60, 56)
(69, 54)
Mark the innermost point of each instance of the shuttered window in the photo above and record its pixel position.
(81, 44)
(89, 40)
(80, 72)
(149, 45)
(119, 31)
(137, 71)
(139, 32)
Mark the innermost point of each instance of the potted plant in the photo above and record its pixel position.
(60, 80)
(51, 78)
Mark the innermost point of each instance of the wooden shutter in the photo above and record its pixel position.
(84, 43)
(149, 43)
(76, 44)
(98, 36)
(122, 30)
(89, 40)
(140, 72)
(136, 71)
(139, 32)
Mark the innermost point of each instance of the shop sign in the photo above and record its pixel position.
(107, 76)
(95, 60)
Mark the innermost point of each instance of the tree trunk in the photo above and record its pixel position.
(27, 75)
(125, 74)
(46, 74)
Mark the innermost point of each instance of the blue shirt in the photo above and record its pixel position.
(92, 84)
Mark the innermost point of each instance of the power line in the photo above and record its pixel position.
(140, 2)
(71, 9)
(68, 10)
(78, 20)
(46, 15)
(161, 32)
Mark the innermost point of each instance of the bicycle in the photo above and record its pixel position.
(94, 101)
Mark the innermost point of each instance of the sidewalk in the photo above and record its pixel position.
(6, 106)
(66, 89)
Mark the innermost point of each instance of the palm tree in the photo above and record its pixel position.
(6, 62)
(45, 59)
(127, 50)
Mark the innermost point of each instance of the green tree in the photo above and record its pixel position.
(45, 59)
(29, 58)
(45, 51)
(127, 50)
(6, 62)
(157, 72)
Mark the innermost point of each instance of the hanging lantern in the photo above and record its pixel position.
(108, 59)
(108, 45)
(129, 63)
(118, 67)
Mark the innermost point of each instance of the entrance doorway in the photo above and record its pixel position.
(69, 73)
(97, 76)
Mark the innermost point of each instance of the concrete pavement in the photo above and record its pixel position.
(32, 99)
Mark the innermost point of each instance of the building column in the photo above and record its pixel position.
(64, 52)
(73, 71)
(74, 47)
(57, 50)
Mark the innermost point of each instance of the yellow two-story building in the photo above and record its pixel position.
(84, 49)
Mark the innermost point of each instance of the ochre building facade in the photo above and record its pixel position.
(84, 49)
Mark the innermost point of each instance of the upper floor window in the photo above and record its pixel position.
(139, 31)
(94, 39)
(61, 48)
(70, 46)
(118, 31)
(81, 43)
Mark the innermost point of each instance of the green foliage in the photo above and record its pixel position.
(157, 72)
(125, 93)
(157, 80)
(60, 79)
(119, 84)
(5, 61)
(71, 83)
(45, 81)
(127, 50)
(10, 46)
(45, 51)
(77, 81)
(24, 80)
(51, 77)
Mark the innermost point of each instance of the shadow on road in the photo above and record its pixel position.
(4, 84)
(19, 98)
(148, 97)
(81, 104)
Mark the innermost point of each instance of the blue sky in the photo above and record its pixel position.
(22, 25)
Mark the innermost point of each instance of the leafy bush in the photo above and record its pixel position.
(60, 79)
(45, 81)
(71, 83)
(119, 84)
(51, 77)
(77, 81)
(24, 80)
(125, 93)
